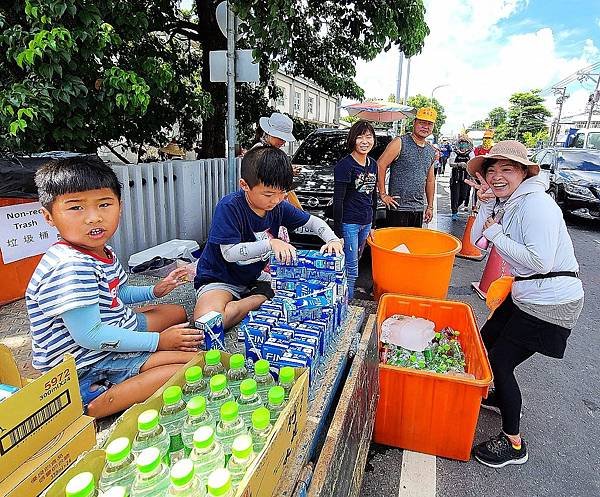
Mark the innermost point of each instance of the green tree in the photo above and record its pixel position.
(533, 140)
(479, 124)
(77, 75)
(418, 101)
(497, 116)
(526, 113)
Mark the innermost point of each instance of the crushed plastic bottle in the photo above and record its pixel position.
(249, 400)
(119, 469)
(184, 482)
(172, 416)
(236, 373)
(242, 455)
(198, 416)
(195, 384)
(152, 478)
(207, 453)
(82, 485)
(150, 434)
(213, 364)
(230, 426)
(219, 394)
(261, 428)
(276, 402)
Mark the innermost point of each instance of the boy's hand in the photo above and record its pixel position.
(179, 337)
(333, 247)
(175, 278)
(284, 252)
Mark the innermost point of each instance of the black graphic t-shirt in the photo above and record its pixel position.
(358, 184)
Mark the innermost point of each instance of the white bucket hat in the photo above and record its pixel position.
(507, 149)
(279, 126)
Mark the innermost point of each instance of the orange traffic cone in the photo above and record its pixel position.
(470, 251)
(495, 268)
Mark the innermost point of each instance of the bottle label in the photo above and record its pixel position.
(176, 449)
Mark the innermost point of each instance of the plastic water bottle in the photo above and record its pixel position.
(82, 485)
(207, 453)
(276, 402)
(236, 373)
(152, 478)
(219, 484)
(219, 394)
(263, 377)
(120, 466)
(195, 384)
(116, 492)
(150, 434)
(287, 377)
(242, 455)
(184, 482)
(249, 399)
(197, 416)
(172, 417)
(261, 428)
(230, 426)
(212, 363)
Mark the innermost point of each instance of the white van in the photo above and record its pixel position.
(587, 138)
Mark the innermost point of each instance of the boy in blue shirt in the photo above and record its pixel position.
(76, 297)
(244, 233)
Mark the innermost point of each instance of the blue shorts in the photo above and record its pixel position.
(113, 369)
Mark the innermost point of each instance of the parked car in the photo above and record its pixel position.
(317, 156)
(573, 178)
(586, 138)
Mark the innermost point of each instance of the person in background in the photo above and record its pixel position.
(546, 297)
(486, 145)
(172, 151)
(412, 181)
(459, 190)
(355, 196)
(445, 151)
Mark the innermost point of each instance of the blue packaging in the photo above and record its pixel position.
(6, 391)
(255, 335)
(284, 284)
(315, 259)
(307, 344)
(283, 331)
(212, 326)
(317, 329)
(298, 359)
(273, 349)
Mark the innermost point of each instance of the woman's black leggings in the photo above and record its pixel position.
(505, 355)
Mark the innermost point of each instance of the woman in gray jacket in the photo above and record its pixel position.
(529, 232)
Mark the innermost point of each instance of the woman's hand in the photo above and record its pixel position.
(484, 191)
(175, 278)
(488, 222)
(333, 247)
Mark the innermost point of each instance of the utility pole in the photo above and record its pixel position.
(593, 99)
(399, 86)
(406, 91)
(231, 98)
(562, 96)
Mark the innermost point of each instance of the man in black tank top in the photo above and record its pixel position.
(409, 198)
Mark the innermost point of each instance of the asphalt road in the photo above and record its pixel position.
(561, 398)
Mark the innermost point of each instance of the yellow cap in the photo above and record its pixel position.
(488, 133)
(427, 114)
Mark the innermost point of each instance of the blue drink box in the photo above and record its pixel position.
(212, 326)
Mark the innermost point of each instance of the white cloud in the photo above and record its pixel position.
(468, 50)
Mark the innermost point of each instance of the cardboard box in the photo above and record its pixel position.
(262, 478)
(38, 472)
(37, 413)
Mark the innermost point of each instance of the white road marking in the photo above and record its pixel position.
(417, 478)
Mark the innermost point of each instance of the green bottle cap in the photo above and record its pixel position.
(229, 411)
(148, 420)
(237, 361)
(81, 485)
(261, 367)
(148, 460)
(115, 492)
(248, 387)
(204, 437)
(182, 472)
(213, 357)
(219, 482)
(196, 406)
(286, 375)
(172, 395)
(118, 449)
(193, 374)
(261, 418)
(218, 382)
(242, 446)
(276, 395)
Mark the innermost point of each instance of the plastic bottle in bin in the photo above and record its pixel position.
(152, 478)
(242, 455)
(287, 377)
(119, 469)
(172, 416)
(236, 373)
(249, 399)
(195, 384)
(230, 426)
(219, 394)
(276, 402)
(261, 428)
(82, 485)
(213, 364)
(219, 484)
(263, 377)
(184, 482)
(150, 434)
(207, 453)
(198, 416)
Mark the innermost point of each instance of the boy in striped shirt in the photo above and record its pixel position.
(77, 296)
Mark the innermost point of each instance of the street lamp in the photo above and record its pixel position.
(437, 87)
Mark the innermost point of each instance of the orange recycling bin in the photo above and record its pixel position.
(425, 411)
(15, 276)
(425, 271)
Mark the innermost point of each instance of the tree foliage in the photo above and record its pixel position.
(78, 74)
